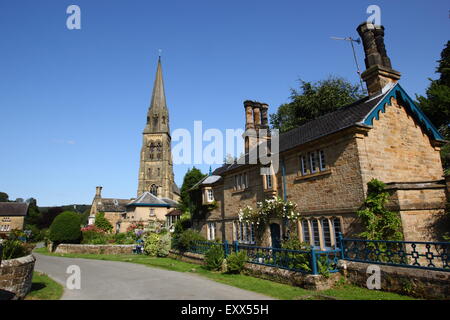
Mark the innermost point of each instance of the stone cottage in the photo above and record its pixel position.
(326, 163)
(12, 216)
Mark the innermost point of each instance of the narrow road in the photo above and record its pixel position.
(106, 280)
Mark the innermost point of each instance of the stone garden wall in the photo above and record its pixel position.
(307, 281)
(420, 283)
(94, 248)
(414, 282)
(16, 277)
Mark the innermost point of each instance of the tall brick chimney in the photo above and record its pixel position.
(98, 192)
(256, 119)
(379, 72)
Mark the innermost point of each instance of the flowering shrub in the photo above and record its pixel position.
(136, 225)
(157, 244)
(92, 228)
(274, 207)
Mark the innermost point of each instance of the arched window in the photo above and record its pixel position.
(154, 190)
(149, 172)
(159, 172)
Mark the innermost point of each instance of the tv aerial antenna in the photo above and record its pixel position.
(358, 71)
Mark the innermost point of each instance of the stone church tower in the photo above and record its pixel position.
(156, 169)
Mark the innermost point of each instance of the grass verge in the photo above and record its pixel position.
(266, 287)
(44, 288)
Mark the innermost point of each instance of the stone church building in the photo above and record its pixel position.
(157, 193)
(326, 163)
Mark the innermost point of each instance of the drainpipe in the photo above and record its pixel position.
(283, 178)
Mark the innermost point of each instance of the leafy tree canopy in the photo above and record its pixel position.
(4, 197)
(314, 100)
(66, 228)
(436, 104)
(194, 175)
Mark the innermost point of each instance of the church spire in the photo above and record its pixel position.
(158, 115)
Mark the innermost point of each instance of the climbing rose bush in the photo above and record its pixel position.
(273, 207)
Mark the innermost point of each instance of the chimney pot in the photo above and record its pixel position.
(98, 192)
(379, 72)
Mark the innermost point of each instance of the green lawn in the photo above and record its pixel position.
(270, 288)
(44, 288)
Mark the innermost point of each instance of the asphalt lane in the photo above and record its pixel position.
(108, 280)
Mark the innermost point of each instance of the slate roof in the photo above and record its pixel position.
(172, 203)
(13, 209)
(175, 189)
(345, 117)
(329, 123)
(112, 205)
(148, 199)
(208, 180)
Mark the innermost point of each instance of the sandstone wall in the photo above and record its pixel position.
(396, 149)
(95, 248)
(420, 283)
(16, 276)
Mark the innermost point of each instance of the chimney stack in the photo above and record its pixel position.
(98, 192)
(379, 72)
(256, 118)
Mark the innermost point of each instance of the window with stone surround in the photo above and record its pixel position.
(244, 232)
(312, 162)
(322, 162)
(240, 181)
(210, 195)
(211, 226)
(321, 233)
(303, 165)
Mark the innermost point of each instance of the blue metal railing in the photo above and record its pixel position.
(411, 254)
(202, 247)
(304, 261)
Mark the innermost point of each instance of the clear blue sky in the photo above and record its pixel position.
(73, 103)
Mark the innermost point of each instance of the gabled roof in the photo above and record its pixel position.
(112, 205)
(359, 113)
(147, 199)
(13, 209)
(405, 100)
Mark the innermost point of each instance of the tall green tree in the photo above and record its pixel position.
(313, 100)
(4, 197)
(194, 175)
(33, 215)
(436, 104)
